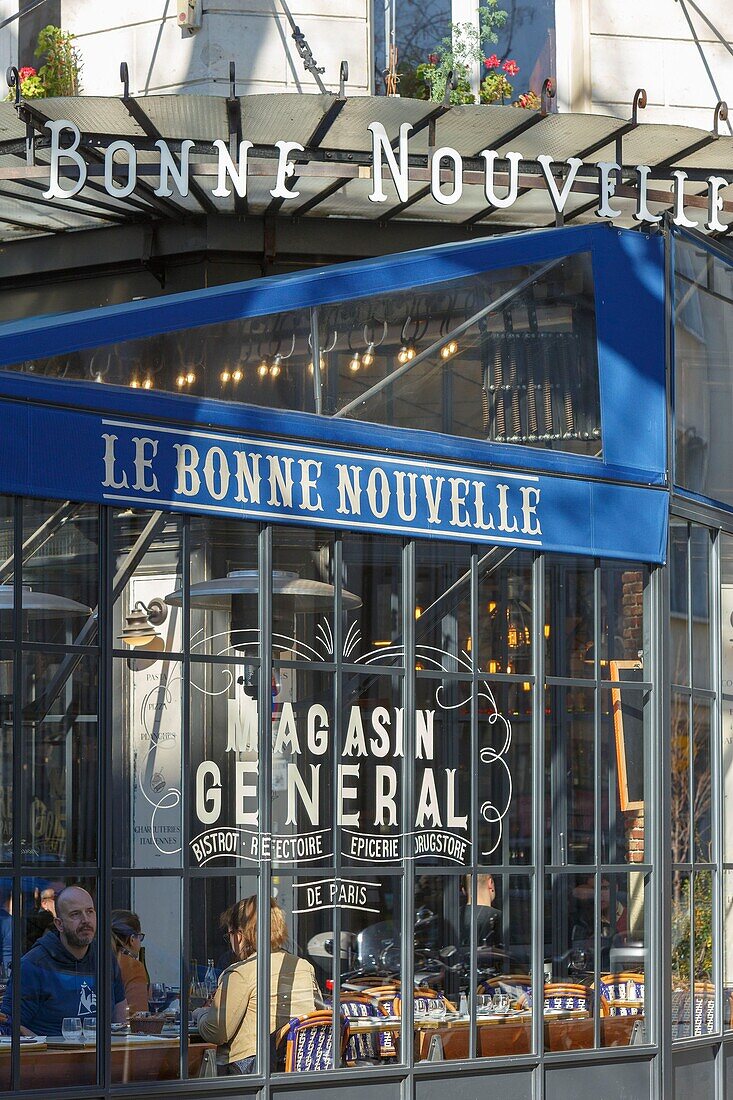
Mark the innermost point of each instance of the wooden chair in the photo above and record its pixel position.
(701, 1019)
(309, 1042)
(361, 1048)
(516, 986)
(568, 996)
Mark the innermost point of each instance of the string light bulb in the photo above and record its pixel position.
(448, 350)
(355, 363)
(237, 374)
(225, 376)
(190, 378)
(180, 381)
(148, 384)
(406, 353)
(263, 368)
(276, 366)
(368, 357)
(134, 384)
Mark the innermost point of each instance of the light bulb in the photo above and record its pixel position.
(148, 384)
(190, 378)
(263, 368)
(368, 356)
(410, 354)
(134, 384)
(448, 349)
(237, 375)
(181, 380)
(354, 363)
(311, 368)
(97, 377)
(225, 376)
(403, 354)
(275, 368)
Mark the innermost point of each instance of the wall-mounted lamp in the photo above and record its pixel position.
(140, 624)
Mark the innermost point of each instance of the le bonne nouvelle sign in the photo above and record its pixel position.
(446, 170)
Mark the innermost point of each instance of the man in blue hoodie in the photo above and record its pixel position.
(58, 976)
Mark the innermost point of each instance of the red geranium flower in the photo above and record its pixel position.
(510, 67)
(433, 58)
(491, 62)
(26, 71)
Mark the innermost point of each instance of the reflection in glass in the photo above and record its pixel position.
(701, 795)
(623, 926)
(7, 553)
(727, 949)
(60, 571)
(443, 607)
(704, 936)
(680, 778)
(700, 584)
(505, 611)
(679, 602)
(624, 720)
(623, 629)
(442, 771)
(569, 646)
(6, 755)
(681, 954)
(373, 572)
(504, 772)
(224, 588)
(60, 750)
(571, 769)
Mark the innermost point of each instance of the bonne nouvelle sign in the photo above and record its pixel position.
(446, 166)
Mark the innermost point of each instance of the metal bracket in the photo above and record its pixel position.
(639, 103)
(12, 79)
(343, 77)
(721, 115)
(450, 86)
(125, 79)
(548, 92)
(309, 62)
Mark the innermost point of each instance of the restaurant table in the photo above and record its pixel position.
(135, 1058)
(504, 1035)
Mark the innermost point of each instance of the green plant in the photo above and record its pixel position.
(60, 73)
(459, 53)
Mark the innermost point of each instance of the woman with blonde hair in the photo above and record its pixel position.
(230, 1020)
(127, 941)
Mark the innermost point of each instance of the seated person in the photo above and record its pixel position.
(230, 1020)
(488, 919)
(127, 938)
(58, 976)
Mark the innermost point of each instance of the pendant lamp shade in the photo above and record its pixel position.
(41, 605)
(217, 595)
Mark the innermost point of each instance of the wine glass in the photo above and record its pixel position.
(71, 1028)
(89, 1026)
(157, 995)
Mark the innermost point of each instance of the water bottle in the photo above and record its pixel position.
(210, 978)
(463, 1005)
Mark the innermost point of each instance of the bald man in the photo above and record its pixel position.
(58, 976)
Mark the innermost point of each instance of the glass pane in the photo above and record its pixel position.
(703, 1014)
(570, 923)
(7, 551)
(60, 572)
(700, 580)
(370, 767)
(8, 929)
(223, 970)
(624, 940)
(528, 36)
(303, 595)
(224, 588)
(147, 715)
(728, 949)
(260, 360)
(442, 831)
(59, 979)
(440, 905)
(6, 755)
(301, 963)
(680, 778)
(624, 635)
(303, 733)
(503, 964)
(681, 955)
(60, 752)
(371, 929)
(679, 603)
(571, 767)
(417, 30)
(147, 596)
(443, 607)
(569, 647)
(505, 612)
(726, 674)
(373, 572)
(703, 331)
(702, 781)
(146, 940)
(624, 736)
(444, 359)
(504, 772)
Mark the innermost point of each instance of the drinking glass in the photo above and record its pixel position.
(437, 1011)
(71, 1028)
(484, 1003)
(157, 994)
(501, 1003)
(89, 1026)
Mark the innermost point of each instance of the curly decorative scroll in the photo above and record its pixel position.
(494, 815)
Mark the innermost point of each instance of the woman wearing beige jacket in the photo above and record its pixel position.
(230, 1020)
